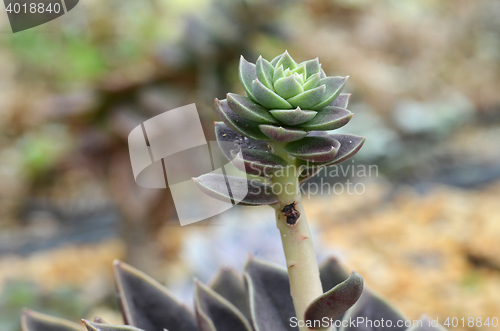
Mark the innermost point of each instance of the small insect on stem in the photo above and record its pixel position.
(292, 215)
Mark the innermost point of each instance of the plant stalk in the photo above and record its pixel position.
(303, 270)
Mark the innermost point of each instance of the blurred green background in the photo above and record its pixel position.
(424, 75)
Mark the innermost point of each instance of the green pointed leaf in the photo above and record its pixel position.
(314, 149)
(334, 86)
(33, 321)
(148, 305)
(93, 326)
(231, 142)
(372, 307)
(322, 72)
(265, 72)
(276, 59)
(281, 134)
(247, 74)
(216, 313)
(230, 286)
(287, 61)
(259, 163)
(308, 98)
(278, 73)
(250, 110)
(312, 82)
(331, 274)
(425, 324)
(257, 193)
(271, 304)
(288, 87)
(329, 118)
(239, 124)
(293, 116)
(301, 70)
(334, 303)
(267, 97)
(312, 67)
(341, 101)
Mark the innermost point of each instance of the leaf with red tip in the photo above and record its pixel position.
(271, 304)
(341, 101)
(287, 61)
(282, 134)
(215, 313)
(250, 110)
(314, 149)
(334, 86)
(307, 98)
(265, 71)
(247, 74)
(231, 287)
(93, 326)
(293, 116)
(255, 193)
(268, 98)
(329, 118)
(334, 303)
(148, 305)
(33, 321)
(239, 124)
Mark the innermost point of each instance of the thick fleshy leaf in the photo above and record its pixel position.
(314, 149)
(331, 274)
(293, 116)
(312, 67)
(334, 303)
(231, 287)
(247, 74)
(100, 320)
(33, 321)
(312, 82)
(328, 118)
(371, 307)
(249, 109)
(301, 69)
(259, 163)
(288, 87)
(238, 123)
(279, 72)
(282, 134)
(334, 86)
(307, 98)
(349, 145)
(341, 101)
(93, 326)
(267, 97)
(276, 59)
(215, 185)
(231, 142)
(426, 324)
(287, 61)
(265, 72)
(148, 305)
(215, 313)
(271, 304)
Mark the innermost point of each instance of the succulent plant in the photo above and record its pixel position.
(279, 135)
(259, 301)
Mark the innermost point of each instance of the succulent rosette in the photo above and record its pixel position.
(285, 119)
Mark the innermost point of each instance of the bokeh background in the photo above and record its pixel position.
(425, 78)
